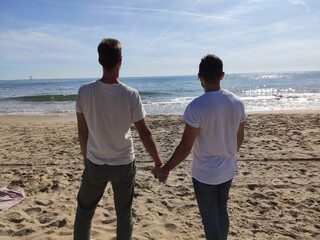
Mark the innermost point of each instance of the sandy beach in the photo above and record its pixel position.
(275, 195)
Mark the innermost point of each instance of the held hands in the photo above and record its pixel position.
(159, 174)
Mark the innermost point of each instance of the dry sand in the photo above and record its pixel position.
(274, 196)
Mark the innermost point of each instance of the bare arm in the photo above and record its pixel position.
(183, 149)
(240, 135)
(82, 134)
(148, 141)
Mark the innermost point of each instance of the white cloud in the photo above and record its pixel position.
(300, 2)
(34, 45)
(286, 55)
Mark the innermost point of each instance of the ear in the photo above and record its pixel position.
(222, 75)
(200, 78)
(118, 66)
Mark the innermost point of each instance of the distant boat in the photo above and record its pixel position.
(31, 77)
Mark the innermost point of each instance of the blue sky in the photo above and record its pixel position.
(58, 38)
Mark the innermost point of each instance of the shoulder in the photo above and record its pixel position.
(87, 86)
(231, 95)
(192, 114)
(128, 88)
(235, 100)
(130, 91)
(198, 100)
(195, 105)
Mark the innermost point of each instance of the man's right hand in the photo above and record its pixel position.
(159, 174)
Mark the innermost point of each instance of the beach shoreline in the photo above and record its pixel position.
(35, 117)
(275, 194)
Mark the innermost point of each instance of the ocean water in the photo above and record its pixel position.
(167, 95)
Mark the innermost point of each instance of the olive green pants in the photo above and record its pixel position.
(94, 181)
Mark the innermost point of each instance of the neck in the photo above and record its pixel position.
(212, 88)
(110, 77)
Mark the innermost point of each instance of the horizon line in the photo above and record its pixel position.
(155, 76)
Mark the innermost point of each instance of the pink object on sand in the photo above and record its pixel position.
(10, 197)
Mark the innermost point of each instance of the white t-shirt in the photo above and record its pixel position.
(109, 110)
(218, 115)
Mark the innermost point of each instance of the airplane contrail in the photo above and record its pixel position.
(170, 26)
(169, 11)
(139, 9)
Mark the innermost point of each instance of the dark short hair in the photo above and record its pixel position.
(210, 68)
(109, 53)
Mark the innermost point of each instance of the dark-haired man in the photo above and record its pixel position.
(105, 110)
(214, 130)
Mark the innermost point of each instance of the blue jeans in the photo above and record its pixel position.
(94, 181)
(212, 202)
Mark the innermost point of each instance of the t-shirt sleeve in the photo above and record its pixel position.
(78, 102)
(243, 113)
(192, 117)
(137, 110)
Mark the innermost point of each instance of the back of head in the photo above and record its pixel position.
(109, 53)
(211, 68)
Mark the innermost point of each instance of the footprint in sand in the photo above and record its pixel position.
(44, 202)
(251, 186)
(170, 226)
(167, 205)
(22, 232)
(15, 217)
(34, 210)
(109, 221)
(58, 223)
(317, 236)
(44, 220)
